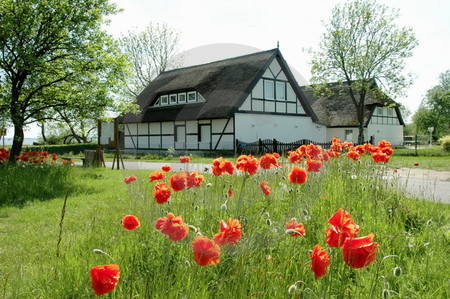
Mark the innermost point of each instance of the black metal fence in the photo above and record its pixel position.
(263, 146)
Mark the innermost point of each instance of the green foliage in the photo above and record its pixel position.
(265, 263)
(434, 110)
(55, 59)
(362, 45)
(73, 149)
(445, 143)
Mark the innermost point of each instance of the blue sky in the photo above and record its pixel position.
(296, 24)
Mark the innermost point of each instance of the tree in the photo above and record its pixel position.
(362, 45)
(48, 50)
(434, 111)
(150, 52)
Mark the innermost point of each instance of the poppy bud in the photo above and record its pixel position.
(385, 294)
(397, 271)
(195, 208)
(269, 222)
(292, 289)
(223, 207)
(99, 251)
(208, 185)
(305, 212)
(290, 231)
(267, 214)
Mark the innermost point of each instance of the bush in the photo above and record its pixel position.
(445, 143)
(62, 149)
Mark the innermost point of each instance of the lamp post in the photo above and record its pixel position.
(430, 129)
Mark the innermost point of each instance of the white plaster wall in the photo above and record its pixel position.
(226, 142)
(191, 127)
(217, 125)
(340, 133)
(143, 129)
(391, 133)
(251, 127)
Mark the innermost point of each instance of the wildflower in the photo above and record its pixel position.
(313, 151)
(166, 168)
(342, 227)
(416, 163)
(336, 145)
(354, 155)
(295, 156)
(193, 179)
(298, 228)
(156, 175)
(359, 252)
(387, 150)
(359, 149)
(265, 188)
(378, 157)
(130, 178)
(185, 159)
(268, 161)
(230, 193)
(104, 278)
(384, 144)
(247, 164)
(130, 222)
(172, 226)
(320, 260)
(313, 165)
(298, 175)
(178, 181)
(220, 166)
(230, 233)
(206, 251)
(161, 192)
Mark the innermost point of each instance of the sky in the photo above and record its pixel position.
(295, 25)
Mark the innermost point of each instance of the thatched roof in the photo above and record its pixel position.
(336, 109)
(224, 84)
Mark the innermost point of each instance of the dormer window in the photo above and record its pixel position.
(179, 98)
(192, 96)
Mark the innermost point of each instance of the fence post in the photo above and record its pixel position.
(275, 146)
(415, 144)
(259, 146)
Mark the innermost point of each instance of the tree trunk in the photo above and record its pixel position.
(44, 138)
(17, 143)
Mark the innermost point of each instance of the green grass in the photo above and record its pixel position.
(263, 264)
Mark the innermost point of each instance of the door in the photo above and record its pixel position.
(180, 137)
(204, 139)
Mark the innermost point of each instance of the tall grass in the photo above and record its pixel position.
(413, 235)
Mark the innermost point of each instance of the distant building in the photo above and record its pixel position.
(207, 107)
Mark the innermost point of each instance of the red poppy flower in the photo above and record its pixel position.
(130, 222)
(313, 151)
(360, 252)
(416, 163)
(193, 179)
(161, 192)
(220, 165)
(206, 251)
(130, 178)
(299, 229)
(104, 278)
(178, 181)
(295, 156)
(298, 175)
(360, 149)
(230, 233)
(230, 193)
(268, 161)
(342, 227)
(378, 157)
(384, 143)
(336, 145)
(265, 188)
(354, 155)
(333, 154)
(247, 164)
(156, 175)
(172, 226)
(54, 157)
(313, 165)
(166, 168)
(185, 159)
(320, 260)
(387, 150)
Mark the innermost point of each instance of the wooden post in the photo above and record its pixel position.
(117, 154)
(99, 160)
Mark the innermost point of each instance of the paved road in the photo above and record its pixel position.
(427, 184)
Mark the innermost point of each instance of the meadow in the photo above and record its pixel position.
(56, 219)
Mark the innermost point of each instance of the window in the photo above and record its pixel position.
(390, 110)
(269, 89)
(164, 100)
(380, 110)
(192, 96)
(348, 135)
(200, 97)
(181, 98)
(280, 90)
(173, 99)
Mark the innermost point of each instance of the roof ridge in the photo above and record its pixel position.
(218, 61)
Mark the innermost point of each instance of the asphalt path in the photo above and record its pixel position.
(425, 184)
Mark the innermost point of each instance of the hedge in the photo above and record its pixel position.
(62, 149)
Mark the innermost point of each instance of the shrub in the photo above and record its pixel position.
(445, 143)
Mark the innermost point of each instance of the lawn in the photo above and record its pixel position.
(48, 251)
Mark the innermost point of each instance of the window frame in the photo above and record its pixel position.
(278, 83)
(266, 97)
(170, 99)
(164, 100)
(179, 97)
(189, 98)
